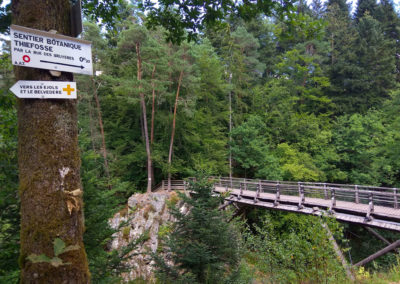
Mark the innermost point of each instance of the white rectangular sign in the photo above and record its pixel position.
(44, 90)
(44, 50)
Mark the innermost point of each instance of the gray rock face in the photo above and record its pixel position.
(145, 214)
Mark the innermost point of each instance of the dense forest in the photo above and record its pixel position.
(310, 96)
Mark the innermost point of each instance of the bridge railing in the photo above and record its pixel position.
(359, 194)
(173, 185)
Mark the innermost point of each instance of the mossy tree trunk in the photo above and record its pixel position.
(49, 163)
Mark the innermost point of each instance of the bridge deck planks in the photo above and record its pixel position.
(358, 209)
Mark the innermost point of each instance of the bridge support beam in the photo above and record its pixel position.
(379, 253)
(225, 205)
(338, 251)
(379, 236)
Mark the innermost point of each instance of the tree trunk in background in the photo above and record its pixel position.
(230, 129)
(153, 105)
(144, 116)
(171, 145)
(103, 137)
(153, 110)
(49, 163)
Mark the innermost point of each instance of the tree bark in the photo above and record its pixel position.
(49, 163)
(171, 145)
(144, 116)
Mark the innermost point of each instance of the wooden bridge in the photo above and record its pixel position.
(365, 205)
(369, 206)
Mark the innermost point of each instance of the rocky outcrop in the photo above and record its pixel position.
(145, 214)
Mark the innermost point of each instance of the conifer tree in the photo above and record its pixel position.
(376, 66)
(342, 64)
(318, 9)
(390, 22)
(366, 6)
(203, 246)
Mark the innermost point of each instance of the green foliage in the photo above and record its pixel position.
(9, 201)
(195, 16)
(297, 165)
(312, 96)
(202, 245)
(251, 151)
(59, 248)
(288, 248)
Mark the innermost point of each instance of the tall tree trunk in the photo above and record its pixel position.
(92, 136)
(144, 117)
(153, 105)
(103, 138)
(49, 163)
(171, 145)
(230, 129)
(333, 51)
(153, 110)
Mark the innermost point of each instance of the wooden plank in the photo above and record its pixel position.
(379, 253)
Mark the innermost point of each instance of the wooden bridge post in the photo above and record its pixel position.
(240, 191)
(370, 206)
(257, 195)
(356, 194)
(162, 185)
(325, 192)
(333, 198)
(396, 206)
(220, 182)
(278, 195)
(301, 195)
(299, 187)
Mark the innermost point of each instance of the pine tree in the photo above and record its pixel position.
(390, 22)
(202, 244)
(366, 6)
(318, 9)
(342, 65)
(341, 6)
(376, 76)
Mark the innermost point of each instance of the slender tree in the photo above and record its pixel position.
(171, 145)
(144, 116)
(49, 165)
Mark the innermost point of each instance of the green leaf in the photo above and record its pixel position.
(59, 246)
(69, 248)
(56, 262)
(38, 258)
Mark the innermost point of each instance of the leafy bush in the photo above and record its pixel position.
(287, 248)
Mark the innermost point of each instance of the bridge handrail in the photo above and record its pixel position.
(335, 185)
(358, 193)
